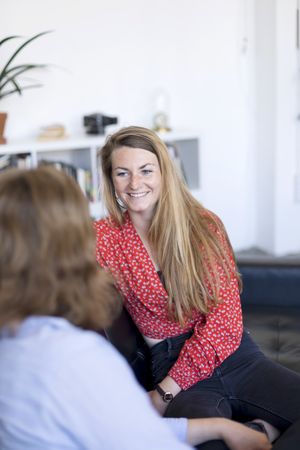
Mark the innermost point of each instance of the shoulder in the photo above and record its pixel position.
(212, 223)
(92, 352)
(47, 346)
(63, 341)
(75, 354)
(106, 224)
(211, 218)
(107, 230)
(215, 230)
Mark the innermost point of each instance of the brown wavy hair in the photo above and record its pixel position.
(192, 245)
(47, 254)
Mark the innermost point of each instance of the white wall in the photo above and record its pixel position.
(278, 144)
(112, 56)
(265, 63)
(287, 219)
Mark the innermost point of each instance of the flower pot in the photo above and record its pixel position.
(3, 117)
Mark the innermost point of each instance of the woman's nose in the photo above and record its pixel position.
(134, 181)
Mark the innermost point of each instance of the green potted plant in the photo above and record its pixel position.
(10, 75)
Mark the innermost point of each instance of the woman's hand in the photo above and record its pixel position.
(236, 435)
(158, 402)
(168, 385)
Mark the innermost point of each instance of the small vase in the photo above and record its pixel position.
(3, 117)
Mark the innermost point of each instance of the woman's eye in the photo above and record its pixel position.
(121, 174)
(146, 171)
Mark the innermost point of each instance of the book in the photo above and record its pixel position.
(81, 176)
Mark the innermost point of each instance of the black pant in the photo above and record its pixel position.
(245, 386)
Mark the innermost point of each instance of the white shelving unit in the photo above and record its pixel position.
(81, 151)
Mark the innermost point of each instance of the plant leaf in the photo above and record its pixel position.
(17, 87)
(8, 38)
(18, 71)
(12, 91)
(9, 74)
(30, 66)
(21, 47)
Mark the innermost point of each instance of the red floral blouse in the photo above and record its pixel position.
(215, 336)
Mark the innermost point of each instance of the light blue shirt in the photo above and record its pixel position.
(65, 388)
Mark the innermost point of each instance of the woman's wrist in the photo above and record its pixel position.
(202, 430)
(158, 402)
(170, 385)
(164, 393)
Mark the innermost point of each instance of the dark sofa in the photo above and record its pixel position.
(271, 306)
(271, 311)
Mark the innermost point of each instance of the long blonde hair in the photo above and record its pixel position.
(191, 243)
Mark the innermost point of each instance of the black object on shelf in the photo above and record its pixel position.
(96, 123)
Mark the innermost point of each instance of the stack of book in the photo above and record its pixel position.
(52, 132)
(81, 176)
(21, 161)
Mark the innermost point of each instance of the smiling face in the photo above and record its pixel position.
(137, 180)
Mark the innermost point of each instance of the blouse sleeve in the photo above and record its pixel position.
(215, 338)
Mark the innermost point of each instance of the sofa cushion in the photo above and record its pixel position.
(277, 331)
(271, 309)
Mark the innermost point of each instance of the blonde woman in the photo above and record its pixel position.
(62, 385)
(173, 263)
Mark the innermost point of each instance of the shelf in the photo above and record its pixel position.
(81, 152)
(74, 142)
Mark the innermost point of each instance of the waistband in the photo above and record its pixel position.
(176, 342)
(171, 343)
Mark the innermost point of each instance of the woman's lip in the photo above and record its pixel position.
(137, 194)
